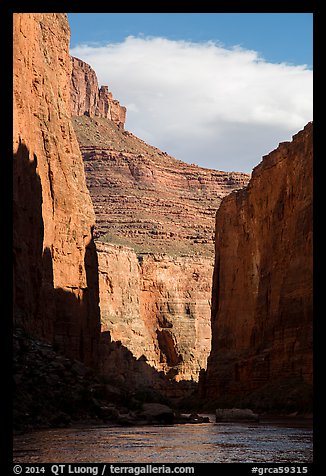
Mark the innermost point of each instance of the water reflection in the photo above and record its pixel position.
(205, 443)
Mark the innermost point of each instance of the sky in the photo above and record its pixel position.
(218, 90)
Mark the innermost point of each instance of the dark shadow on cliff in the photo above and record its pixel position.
(28, 232)
(72, 314)
(59, 350)
(75, 312)
(56, 382)
(68, 318)
(280, 396)
(50, 324)
(120, 367)
(52, 388)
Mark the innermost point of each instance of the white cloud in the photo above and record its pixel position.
(220, 108)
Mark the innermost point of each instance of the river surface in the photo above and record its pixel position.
(264, 442)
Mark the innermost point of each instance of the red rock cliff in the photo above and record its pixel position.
(55, 267)
(158, 307)
(87, 99)
(143, 197)
(157, 215)
(262, 289)
(155, 289)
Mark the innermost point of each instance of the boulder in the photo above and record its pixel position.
(235, 415)
(195, 418)
(157, 413)
(192, 418)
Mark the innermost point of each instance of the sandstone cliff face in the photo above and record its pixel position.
(158, 307)
(262, 289)
(87, 99)
(153, 203)
(55, 272)
(155, 294)
(156, 205)
(143, 198)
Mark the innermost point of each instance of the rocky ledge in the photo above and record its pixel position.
(146, 199)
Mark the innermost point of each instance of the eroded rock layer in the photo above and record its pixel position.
(55, 264)
(90, 100)
(262, 289)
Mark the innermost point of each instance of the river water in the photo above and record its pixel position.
(264, 442)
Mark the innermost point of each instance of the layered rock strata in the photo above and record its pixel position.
(262, 288)
(55, 264)
(143, 198)
(158, 307)
(157, 213)
(148, 200)
(90, 100)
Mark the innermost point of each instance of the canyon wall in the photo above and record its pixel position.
(55, 263)
(154, 228)
(262, 288)
(155, 224)
(158, 307)
(90, 100)
(144, 198)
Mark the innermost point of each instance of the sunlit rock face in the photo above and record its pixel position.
(262, 288)
(158, 307)
(143, 198)
(90, 100)
(55, 264)
(155, 238)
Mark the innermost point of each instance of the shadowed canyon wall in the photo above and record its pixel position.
(262, 289)
(155, 222)
(156, 215)
(55, 263)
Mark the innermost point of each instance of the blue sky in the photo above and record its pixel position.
(220, 90)
(279, 37)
